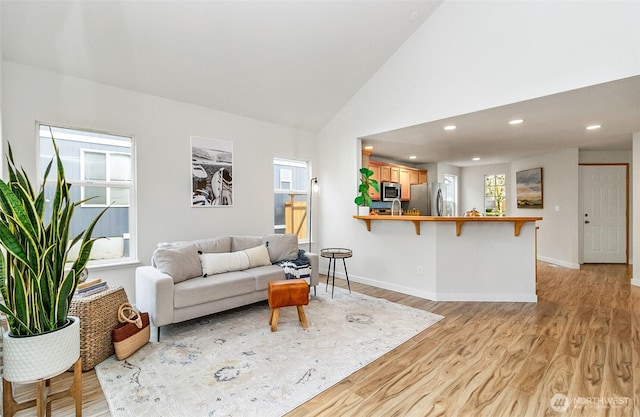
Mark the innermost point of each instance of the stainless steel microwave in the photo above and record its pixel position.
(389, 191)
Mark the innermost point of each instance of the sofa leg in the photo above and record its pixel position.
(158, 337)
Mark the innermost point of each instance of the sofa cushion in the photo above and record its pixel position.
(217, 263)
(281, 247)
(180, 262)
(239, 243)
(214, 245)
(201, 290)
(258, 256)
(264, 274)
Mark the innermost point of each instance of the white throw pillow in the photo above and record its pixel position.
(217, 263)
(258, 256)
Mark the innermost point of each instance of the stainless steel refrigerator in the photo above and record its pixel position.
(429, 198)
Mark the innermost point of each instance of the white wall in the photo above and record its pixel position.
(636, 214)
(446, 169)
(558, 240)
(472, 186)
(1, 141)
(161, 129)
(469, 56)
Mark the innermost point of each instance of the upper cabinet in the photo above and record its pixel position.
(385, 173)
(405, 183)
(376, 168)
(414, 177)
(406, 176)
(395, 173)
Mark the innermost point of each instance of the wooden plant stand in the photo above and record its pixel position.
(43, 399)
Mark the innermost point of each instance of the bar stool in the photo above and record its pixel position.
(332, 254)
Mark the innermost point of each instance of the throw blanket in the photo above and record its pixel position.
(296, 268)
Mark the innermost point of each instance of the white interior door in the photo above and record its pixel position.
(604, 213)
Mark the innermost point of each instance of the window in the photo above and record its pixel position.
(100, 168)
(105, 167)
(495, 195)
(291, 191)
(451, 194)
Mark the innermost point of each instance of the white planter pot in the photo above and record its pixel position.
(30, 358)
(363, 210)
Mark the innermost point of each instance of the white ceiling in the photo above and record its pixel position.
(551, 123)
(296, 63)
(293, 63)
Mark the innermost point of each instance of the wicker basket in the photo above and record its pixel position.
(98, 316)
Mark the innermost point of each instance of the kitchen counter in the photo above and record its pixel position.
(452, 258)
(517, 221)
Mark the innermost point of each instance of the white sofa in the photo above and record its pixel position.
(197, 278)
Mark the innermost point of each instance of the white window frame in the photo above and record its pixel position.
(108, 184)
(290, 191)
(454, 177)
(132, 258)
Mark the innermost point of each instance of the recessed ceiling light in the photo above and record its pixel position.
(477, 158)
(368, 147)
(450, 127)
(516, 121)
(592, 127)
(412, 157)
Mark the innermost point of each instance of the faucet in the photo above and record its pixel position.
(399, 206)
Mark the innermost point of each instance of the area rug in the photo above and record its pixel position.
(231, 364)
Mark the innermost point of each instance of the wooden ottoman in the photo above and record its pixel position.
(288, 293)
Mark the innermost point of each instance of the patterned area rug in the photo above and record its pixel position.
(231, 364)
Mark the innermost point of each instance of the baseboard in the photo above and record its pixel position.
(512, 298)
(387, 286)
(635, 282)
(558, 262)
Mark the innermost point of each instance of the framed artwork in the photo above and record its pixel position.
(211, 172)
(529, 188)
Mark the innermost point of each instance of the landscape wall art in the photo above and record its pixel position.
(529, 188)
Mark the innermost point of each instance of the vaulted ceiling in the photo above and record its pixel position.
(296, 64)
(293, 63)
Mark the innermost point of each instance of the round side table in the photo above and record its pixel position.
(332, 254)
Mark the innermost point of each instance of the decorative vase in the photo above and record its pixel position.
(31, 358)
(363, 210)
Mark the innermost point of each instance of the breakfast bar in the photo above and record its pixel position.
(459, 221)
(474, 258)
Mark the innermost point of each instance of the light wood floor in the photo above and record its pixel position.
(581, 339)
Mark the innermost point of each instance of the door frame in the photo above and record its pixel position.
(581, 204)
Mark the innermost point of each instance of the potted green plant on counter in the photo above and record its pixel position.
(36, 283)
(363, 199)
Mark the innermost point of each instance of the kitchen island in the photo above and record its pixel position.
(460, 258)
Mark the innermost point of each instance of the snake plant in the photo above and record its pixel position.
(36, 283)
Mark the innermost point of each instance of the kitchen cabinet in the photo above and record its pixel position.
(405, 183)
(414, 177)
(385, 172)
(375, 167)
(395, 174)
(406, 176)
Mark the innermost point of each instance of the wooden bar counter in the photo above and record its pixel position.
(517, 221)
(452, 258)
